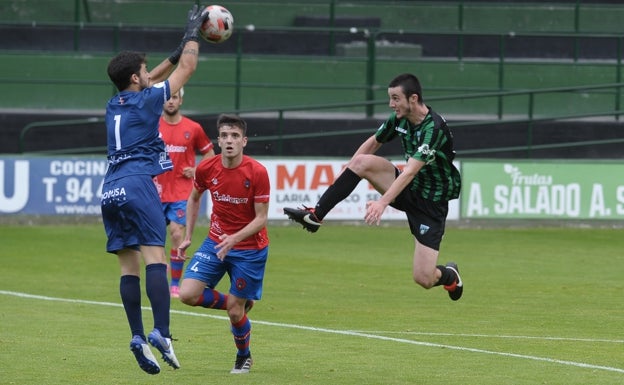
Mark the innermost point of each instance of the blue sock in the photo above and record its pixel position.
(130, 291)
(157, 288)
(177, 264)
(242, 335)
(212, 299)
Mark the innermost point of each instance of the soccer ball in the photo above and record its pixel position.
(219, 25)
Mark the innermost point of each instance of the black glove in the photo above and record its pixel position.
(175, 55)
(196, 17)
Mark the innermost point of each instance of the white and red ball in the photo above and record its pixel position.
(219, 25)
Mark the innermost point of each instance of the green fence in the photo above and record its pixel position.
(76, 79)
(226, 83)
(609, 93)
(348, 79)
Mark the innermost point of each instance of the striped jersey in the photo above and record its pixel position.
(431, 142)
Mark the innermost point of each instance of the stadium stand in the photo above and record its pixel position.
(304, 53)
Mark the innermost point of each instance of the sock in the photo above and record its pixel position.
(447, 278)
(157, 289)
(177, 264)
(130, 291)
(339, 190)
(242, 335)
(212, 299)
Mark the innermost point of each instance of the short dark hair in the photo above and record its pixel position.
(123, 66)
(409, 84)
(232, 120)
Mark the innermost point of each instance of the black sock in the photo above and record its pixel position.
(157, 288)
(339, 190)
(447, 278)
(130, 291)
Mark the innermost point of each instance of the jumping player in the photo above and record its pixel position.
(422, 190)
(131, 210)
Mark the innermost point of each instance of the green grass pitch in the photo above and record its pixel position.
(540, 306)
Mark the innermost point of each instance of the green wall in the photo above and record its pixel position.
(80, 82)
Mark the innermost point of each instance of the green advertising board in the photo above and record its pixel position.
(542, 189)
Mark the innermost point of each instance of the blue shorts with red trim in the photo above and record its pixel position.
(175, 212)
(244, 267)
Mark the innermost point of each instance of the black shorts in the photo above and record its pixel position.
(426, 218)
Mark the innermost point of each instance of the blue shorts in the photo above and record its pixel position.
(132, 213)
(244, 267)
(175, 212)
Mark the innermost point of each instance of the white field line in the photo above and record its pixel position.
(351, 333)
(501, 336)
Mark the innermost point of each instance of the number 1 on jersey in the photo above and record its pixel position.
(117, 132)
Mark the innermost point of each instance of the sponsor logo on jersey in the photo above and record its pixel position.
(171, 148)
(229, 199)
(428, 153)
(400, 129)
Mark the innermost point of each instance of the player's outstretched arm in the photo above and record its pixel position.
(186, 54)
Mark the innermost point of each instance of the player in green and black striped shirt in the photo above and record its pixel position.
(422, 189)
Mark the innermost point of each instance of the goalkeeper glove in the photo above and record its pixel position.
(196, 17)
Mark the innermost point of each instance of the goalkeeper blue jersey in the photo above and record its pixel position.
(134, 146)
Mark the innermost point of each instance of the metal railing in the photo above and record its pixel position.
(529, 119)
(372, 60)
